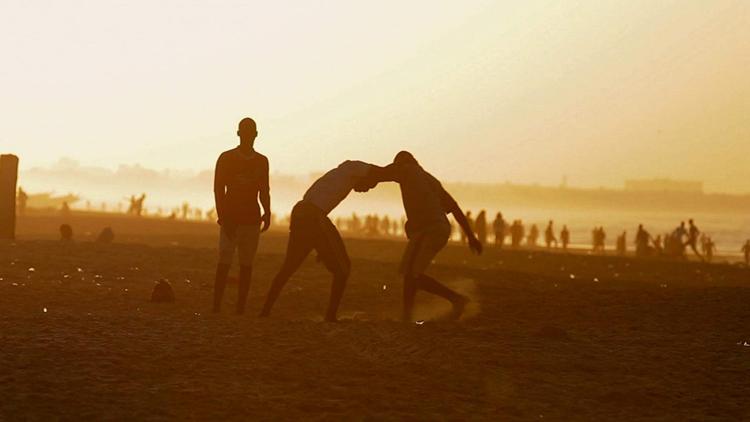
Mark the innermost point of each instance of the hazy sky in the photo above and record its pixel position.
(525, 91)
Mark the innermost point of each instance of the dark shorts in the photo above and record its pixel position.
(422, 248)
(310, 229)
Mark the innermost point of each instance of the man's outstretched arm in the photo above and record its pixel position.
(388, 173)
(452, 207)
(374, 176)
(265, 200)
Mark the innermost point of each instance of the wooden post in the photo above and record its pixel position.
(8, 180)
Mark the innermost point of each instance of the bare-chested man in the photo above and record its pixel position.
(310, 228)
(426, 204)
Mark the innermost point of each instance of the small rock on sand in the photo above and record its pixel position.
(162, 292)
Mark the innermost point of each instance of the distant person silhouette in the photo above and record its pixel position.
(658, 246)
(669, 250)
(385, 226)
(240, 180)
(470, 221)
(594, 239)
(480, 225)
(21, 200)
(693, 234)
(565, 237)
(746, 252)
(533, 236)
(599, 239)
(65, 209)
(702, 242)
(426, 203)
(676, 244)
(131, 207)
(517, 233)
(66, 233)
(310, 228)
(136, 205)
(139, 210)
(549, 235)
(355, 225)
(710, 249)
(621, 245)
(680, 232)
(373, 226)
(499, 227)
(642, 238)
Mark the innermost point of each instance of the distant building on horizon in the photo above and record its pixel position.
(663, 185)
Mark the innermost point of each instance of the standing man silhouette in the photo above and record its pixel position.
(241, 179)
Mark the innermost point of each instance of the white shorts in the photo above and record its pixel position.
(244, 240)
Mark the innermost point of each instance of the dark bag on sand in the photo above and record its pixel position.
(162, 292)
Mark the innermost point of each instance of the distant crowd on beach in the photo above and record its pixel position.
(683, 240)
(678, 243)
(514, 234)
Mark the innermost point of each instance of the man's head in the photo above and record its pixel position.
(247, 131)
(404, 157)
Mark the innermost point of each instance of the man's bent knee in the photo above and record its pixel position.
(411, 277)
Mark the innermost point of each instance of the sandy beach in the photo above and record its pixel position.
(549, 336)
